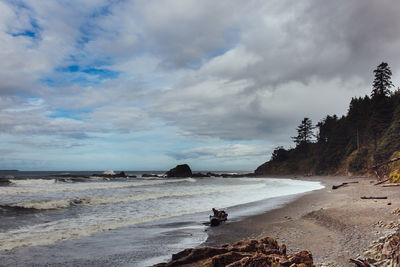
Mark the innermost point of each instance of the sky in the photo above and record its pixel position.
(147, 85)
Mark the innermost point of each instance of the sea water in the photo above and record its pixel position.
(125, 221)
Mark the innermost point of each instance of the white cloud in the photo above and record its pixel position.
(222, 152)
(225, 70)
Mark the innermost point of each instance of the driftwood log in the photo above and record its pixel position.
(360, 263)
(381, 182)
(343, 184)
(373, 197)
(390, 185)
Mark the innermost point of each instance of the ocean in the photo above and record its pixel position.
(59, 219)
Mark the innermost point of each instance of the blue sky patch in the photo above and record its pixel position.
(75, 74)
(71, 114)
(102, 73)
(27, 33)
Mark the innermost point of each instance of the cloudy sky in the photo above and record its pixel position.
(145, 85)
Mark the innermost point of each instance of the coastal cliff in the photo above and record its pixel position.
(367, 135)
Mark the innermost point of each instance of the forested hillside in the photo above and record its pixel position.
(368, 134)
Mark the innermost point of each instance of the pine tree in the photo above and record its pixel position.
(382, 82)
(304, 132)
(381, 106)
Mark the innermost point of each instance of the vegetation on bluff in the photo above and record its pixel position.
(368, 134)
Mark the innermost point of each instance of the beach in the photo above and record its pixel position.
(334, 225)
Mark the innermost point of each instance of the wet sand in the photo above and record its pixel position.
(335, 225)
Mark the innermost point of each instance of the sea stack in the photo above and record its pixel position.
(180, 171)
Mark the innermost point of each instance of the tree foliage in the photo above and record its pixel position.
(382, 82)
(304, 132)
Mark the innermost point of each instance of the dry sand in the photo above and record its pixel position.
(335, 225)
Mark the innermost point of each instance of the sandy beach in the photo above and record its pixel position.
(334, 225)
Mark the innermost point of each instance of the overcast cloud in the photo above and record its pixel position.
(214, 83)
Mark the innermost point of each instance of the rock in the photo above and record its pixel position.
(226, 259)
(180, 171)
(303, 257)
(110, 174)
(263, 252)
(211, 174)
(199, 175)
(121, 174)
(4, 182)
(147, 175)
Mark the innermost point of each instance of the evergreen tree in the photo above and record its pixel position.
(381, 105)
(382, 82)
(304, 132)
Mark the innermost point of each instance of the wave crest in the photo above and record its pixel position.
(26, 182)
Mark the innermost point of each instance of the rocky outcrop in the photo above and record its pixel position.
(180, 171)
(263, 252)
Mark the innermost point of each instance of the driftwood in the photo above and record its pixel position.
(360, 263)
(218, 217)
(381, 182)
(343, 184)
(390, 185)
(373, 197)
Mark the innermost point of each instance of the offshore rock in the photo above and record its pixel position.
(4, 182)
(199, 175)
(180, 171)
(263, 252)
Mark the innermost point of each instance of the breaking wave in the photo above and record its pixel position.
(66, 203)
(77, 186)
(52, 232)
(32, 182)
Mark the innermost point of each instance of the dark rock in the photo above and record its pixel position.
(263, 252)
(147, 175)
(199, 175)
(226, 259)
(117, 175)
(4, 182)
(180, 171)
(211, 174)
(302, 257)
(121, 174)
(230, 175)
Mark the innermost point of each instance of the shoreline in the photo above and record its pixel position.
(334, 225)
